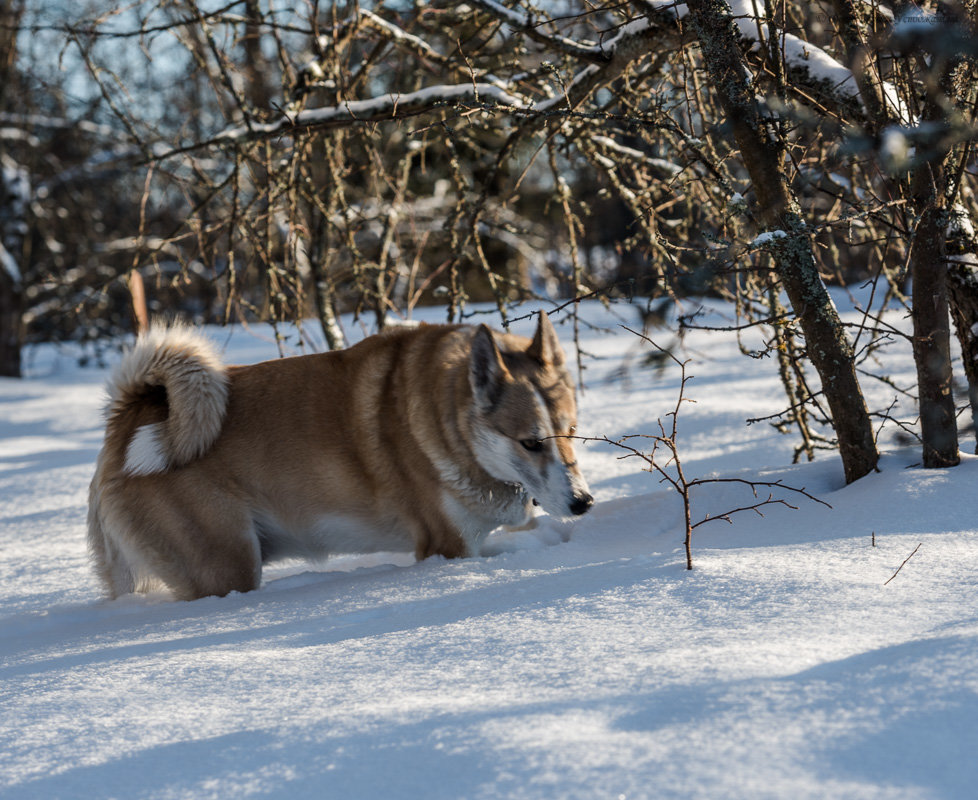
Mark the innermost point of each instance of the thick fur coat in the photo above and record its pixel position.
(424, 439)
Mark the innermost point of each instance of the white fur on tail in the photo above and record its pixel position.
(186, 364)
(145, 454)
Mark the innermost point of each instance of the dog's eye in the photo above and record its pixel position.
(533, 445)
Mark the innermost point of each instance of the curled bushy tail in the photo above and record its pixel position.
(180, 368)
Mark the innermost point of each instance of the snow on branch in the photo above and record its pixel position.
(808, 63)
(633, 41)
(607, 59)
(804, 57)
(527, 24)
(962, 250)
(766, 239)
(31, 121)
(605, 62)
(660, 165)
(402, 37)
(421, 48)
(376, 109)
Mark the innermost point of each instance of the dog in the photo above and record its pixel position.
(425, 439)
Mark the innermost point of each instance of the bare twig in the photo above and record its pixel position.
(902, 565)
(670, 470)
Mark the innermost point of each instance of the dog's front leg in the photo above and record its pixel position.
(439, 538)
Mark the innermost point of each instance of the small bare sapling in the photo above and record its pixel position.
(663, 460)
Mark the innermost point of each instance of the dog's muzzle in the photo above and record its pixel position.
(581, 503)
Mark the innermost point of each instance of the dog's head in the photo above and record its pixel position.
(525, 411)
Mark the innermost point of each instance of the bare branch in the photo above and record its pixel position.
(903, 564)
(378, 109)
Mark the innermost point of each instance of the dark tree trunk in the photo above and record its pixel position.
(12, 230)
(928, 196)
(962, 284)
(962, 260)
(256, 68)
(931, 199)
(762, 150)
(12, 207)
(852, 30)
(11, 324)
(931, 328)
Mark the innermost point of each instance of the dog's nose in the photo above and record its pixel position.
(582, 502)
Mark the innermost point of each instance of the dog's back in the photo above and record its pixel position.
(207, 471)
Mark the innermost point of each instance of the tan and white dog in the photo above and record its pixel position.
(422, 439)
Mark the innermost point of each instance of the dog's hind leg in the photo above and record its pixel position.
(116, 573)
(111, 565)
(230, 568)
(214, 551)
(196, 549)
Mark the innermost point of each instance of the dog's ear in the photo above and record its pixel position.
(545, 347)
(487, 372)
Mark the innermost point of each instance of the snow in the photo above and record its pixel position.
(672, 7)
(767, 238)
(798, 53)
(396, 33)
(374, 109)
(574, 660)
(580, 79)
(661, 164)
(629, 30)
(737, 203)
(526, 21)
(895, 149)
(959, 222)
(803, 55)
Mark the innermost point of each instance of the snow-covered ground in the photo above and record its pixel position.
(575, 660)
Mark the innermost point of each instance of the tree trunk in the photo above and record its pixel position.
(931, 329)
(762, 150)
(930, 190)
(961, 243)
(859, 54)
(11, 326)
(928, 196)
(962, 284)
(256, 68)
(13, 228)
(13, 223)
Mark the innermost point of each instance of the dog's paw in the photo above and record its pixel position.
(537, 534)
